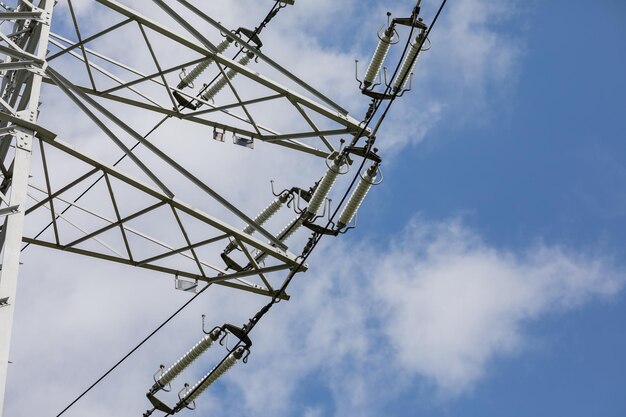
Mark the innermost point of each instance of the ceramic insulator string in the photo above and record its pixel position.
(211, 377)
(284, 234)
(408, 65)
(180, 365)
(324, 186)
(199, 69)
(263, 216)
(223, 80)
(357, 197)
(379, 57)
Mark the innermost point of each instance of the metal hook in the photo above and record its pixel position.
(430, 45)
(182, 74)
(387, 84)
(286, 190)
(161, 371)
(296, 207)
(223, 337)
(356, 73)
(212, 330)
(378, 182)
(290, 199)
(404, 90)
(180, 397)
(245, 357)
(314, 219)
(345, 230)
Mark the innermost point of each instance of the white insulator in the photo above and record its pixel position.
(193, 354)
(222, 81)
(198, 69)
(357, 197)
(212, 376)
(324, 186)
(407, 66)
(284, 234)
(379, 57)
(263, 216)
(290, 229)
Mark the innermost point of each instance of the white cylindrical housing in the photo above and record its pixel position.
(212, 376)
(263, 216)
(290, 229)
(408, 65)
(378, 58)
(357, 197)
(222, 81)
(193, 354)
(284, 234)
(324, 186)
(198, 69)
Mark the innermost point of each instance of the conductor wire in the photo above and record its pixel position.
(317, 237)
(264, 23)
(266, 20)
(159, 327)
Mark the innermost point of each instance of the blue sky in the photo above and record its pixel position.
(548, 165)
(487, 274)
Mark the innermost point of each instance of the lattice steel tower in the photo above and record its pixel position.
(215, 81)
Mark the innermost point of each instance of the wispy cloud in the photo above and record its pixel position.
(455, 302)
(436, 306)
(433, 307)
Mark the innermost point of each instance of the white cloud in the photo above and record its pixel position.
(472, 65)
(439, 306)
(454, 302)
(433, 308)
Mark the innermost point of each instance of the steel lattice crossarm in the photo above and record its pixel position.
(233, 104)
(71, 237)
(115, 221)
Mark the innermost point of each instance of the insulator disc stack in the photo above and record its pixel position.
(211, 377)
(379, 57)
(223, 80)
(284, 234)
(263, 216)
(324, 186)
(357, 197)
(188, 79)
(408, 65)
(180, 365)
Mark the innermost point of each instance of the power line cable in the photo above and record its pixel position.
(264, 22)
(159, 327)
(317, 236)
(270, 15)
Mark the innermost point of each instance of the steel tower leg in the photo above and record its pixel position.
(25, 61)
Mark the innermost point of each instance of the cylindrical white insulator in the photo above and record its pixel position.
(193, 353)
(290, 229)
(263, 216)
(268, 212)
(324, 186)
(407, 66)
(284, 234)
(212, 376)
(357, 197)
(198, 69)
(378, 58)
(222, 81)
